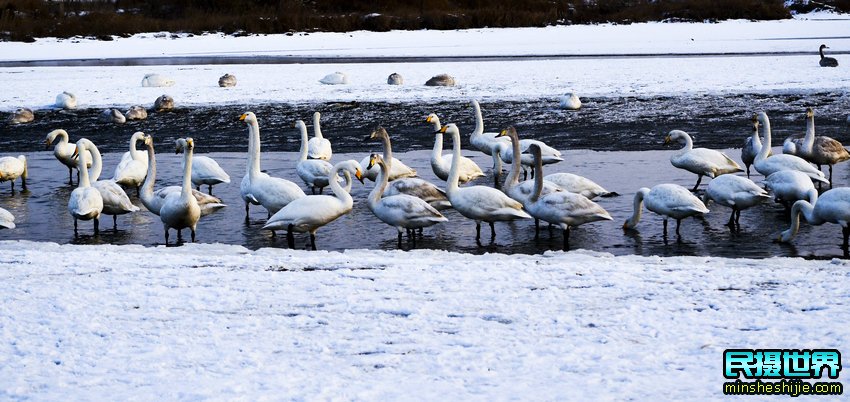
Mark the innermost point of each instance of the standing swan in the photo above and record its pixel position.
(131, 172)
(669, 201)
(401, 182)
(766, 166)
(319, 147)
(833, 207)
(314, 172)
(789, 186)
(826, 61)
(181, 210)
(752, 146)
(820, 150)
(85, 202)
(259, 188)
(700, 161)
(487, 143)
(309, 213)
(441, 164)
(12, 168)
(735, 192)
(64, 151)
(205, 170)
(115, 200)
(479, 203)
(401, 211)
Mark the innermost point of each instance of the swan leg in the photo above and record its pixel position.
(731, 222)
(96, 224)
(665, 227)
(399, 239)
(845, 230)
(166, 236)
(696, 186)
(321, 189)
(70, 176)
(313, 241)
(492, 231)
(75, 226)
(13, 186)
(209, 189)
(193, 234)
(137, 192)
(532, 173)
(290, 239)
(247, 205)
(567, 239)
(477, 230)
(536, 228)
(198, 187)
(678, 223)
(268, 214)
(179, 235)
(524, 174)
(413, 232)
(738, 218)
(420, 232)
(114, 222)
(830, 177)
(748, 171)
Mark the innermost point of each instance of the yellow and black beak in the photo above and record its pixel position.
(76, 153)
(502, 133)
(667, 140)
(442, 129)
(372, 160)
(428, 120)
(359, 175)
(242, 118)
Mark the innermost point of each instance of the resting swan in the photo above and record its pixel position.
(180, 210)
(131, 171)
(12, 168)
(833, 207)
(112, 116)
(700, 161)
(826, 61)
(789, 186)
(205, 170)
(441, 164)
(64, 151)
(66, 100)
(319, 147)
(314, 172)
(766, 166)
(735, 192)
(820, 150)
(115, 199)
(7, 220)
(667, 200)
(85, 202)
(258, 188)
(21, 116)
(401, 211)
(752, 146)
(309, 213)
(479, 203)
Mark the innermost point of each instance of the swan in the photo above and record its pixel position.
(227, 80)
(257, 187)
(789, 186)
(561, 208)
(550, 155)
(137, 113)
(513, 188)
(21, 115)
(570, 101)
(487, 143)
(700, 161)
(314, 172)
(395, 79)
(309, 213)
(112, 116)
(153, 200)
(156, 80)
(736, 192)
(398, 169)
(479, 203)
(12, 168)
(180, 210)
(319, 147)
(115, 200)
(775, 163)
(667, 200)
(64, 151)
(66, 100)
(441, 80)
(163, 104)
(131, 171)
(826, 61)
(441, 164)
(752, 145)
(833, 207)
(401, 211)
(85, 202)
(336, 78)
(7, 220)
(579, 185)
(820, 150)
(205, 170)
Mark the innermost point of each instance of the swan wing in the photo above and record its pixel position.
(417, 188)
(7, 220)
(207, 170)
(274, 193)
(486, 203)
(115, 199)
(576, 184)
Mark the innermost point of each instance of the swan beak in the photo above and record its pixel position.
(242, 118)
(47, 144)
(359, 175)
(371, 163)
(667, 140)
(442, 129)
(625, 225)
(76, 152)
(428, 120)
(502, 133)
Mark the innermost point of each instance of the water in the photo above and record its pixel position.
(635, 125)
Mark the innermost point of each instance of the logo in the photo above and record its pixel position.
(790, 366)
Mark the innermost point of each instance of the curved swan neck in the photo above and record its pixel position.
(304, 140)
(807, 210)
(96, 163)
(339, 192)
(253, 167)
(638, 208)
(388, 148)
(538, 176)
(134, 153)
(513, 176)
(454, 173)
(317, 125)
(479, 120)
(820, 50)
(383, 179)
(61, 134)
(81, 167)
(765, 149)
(689, 142)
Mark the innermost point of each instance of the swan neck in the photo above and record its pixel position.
(187, 173)
(809, 140)
(96, 163)
(304, 142)
(381, 186)
(513, 176)
(81, 167)
(388, 149)
(253, 149)
(479, 120)
(820, 50)
(768, 141)
(756, 138)
(134, 153)
(339, 192)
(150, 178)
(437, 152)
(317, 126)
(637, 208)
(454, 173)
(689, 143)
(538, 177)
(62, 135)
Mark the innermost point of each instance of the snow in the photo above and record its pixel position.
(223, 322)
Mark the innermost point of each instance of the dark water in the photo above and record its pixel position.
(614, 135)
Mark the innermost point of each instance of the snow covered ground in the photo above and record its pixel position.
(223, 322)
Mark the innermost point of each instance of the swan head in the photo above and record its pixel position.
(509, 131)
(379, 132)
(674, 135)
(535, 151)
(352, 166)
(300, 125)
(448, 128)
(810, 113)
(375, 159)
(432, 118)
(190, 144)
(823, 47)
(179, 145)
(248, 117)
(51, 136)
(148, 140)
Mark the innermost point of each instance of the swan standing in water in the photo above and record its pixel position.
(131, 171)
(180, 210)
(12, 168)
(789, 186)
(115, 200)
(833, 207)
(66, 100)
(21, 116)
(550, 155)
(441, 164)
(735, 192)
(826, 61)
(401, 182)
(752, 146)
(513, 188)
(766, 166)
(319, 147)
(820, 150)
(669, 201)
(478, 203)
(153, 200)
(7, 220)
(401, 211)
(309, 213)
(205, 170)
(258, 188)
(85, 202)
(488, 143)
(64, 151)
(314, 172)
(700, 161)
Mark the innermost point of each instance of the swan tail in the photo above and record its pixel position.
(207, 209)
(819, 177)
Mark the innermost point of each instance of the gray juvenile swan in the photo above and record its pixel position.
(163, 104)
(227, 80)
(21, 115)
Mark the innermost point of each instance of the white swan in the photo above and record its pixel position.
(735, 192)
(441, 164)
(699, 161)
(137, 113)
(478, 203)
(227, 80)
(131, 171)
(64, 151)
(156, 80)
(115, 199)
(85, 202)
(752, 146)
(319, 147)
(205, 170)
(550, 155)
(314, 172)
(487, 143)
(163, 104)
(579, 185)
(21, 116)
(153, 200)
(833, 207)
(112, 116)
(180, 210)
(7, 220)
(667, 200)
(336, 78)
(258, 188)
(570, 101)
(820, 150)
(66, 100)
(398, 169)
(309, 213)
(401, 211)
(12, 168)
(513, 188)
(775, 163)
(789, 186)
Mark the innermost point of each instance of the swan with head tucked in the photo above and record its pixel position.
(700, 161)
(309, 213)
(66, 100)
(12, 168)
(153, 200)
(398, 169)
(156, 80)
(441, 164)
(258, 188)
(318, 147)
(205, 170)
(570, 101)
(336, 78)
(115, 199)
(21, 115)
(401, 211)
(7, 220)
(314, 172)
(826, 61)
(137, 112)
(766, 166)
(85, 202)
(667, 200)
(561, 208)
(180, 210)
(820, 150)
(735, 192)
(112, 116)
(478, 203)
(833, 207)
(163, 104)
(550, 155)
(64, 151)
(513, 188)
(752, 146)
(789, 186)
(131, 171)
